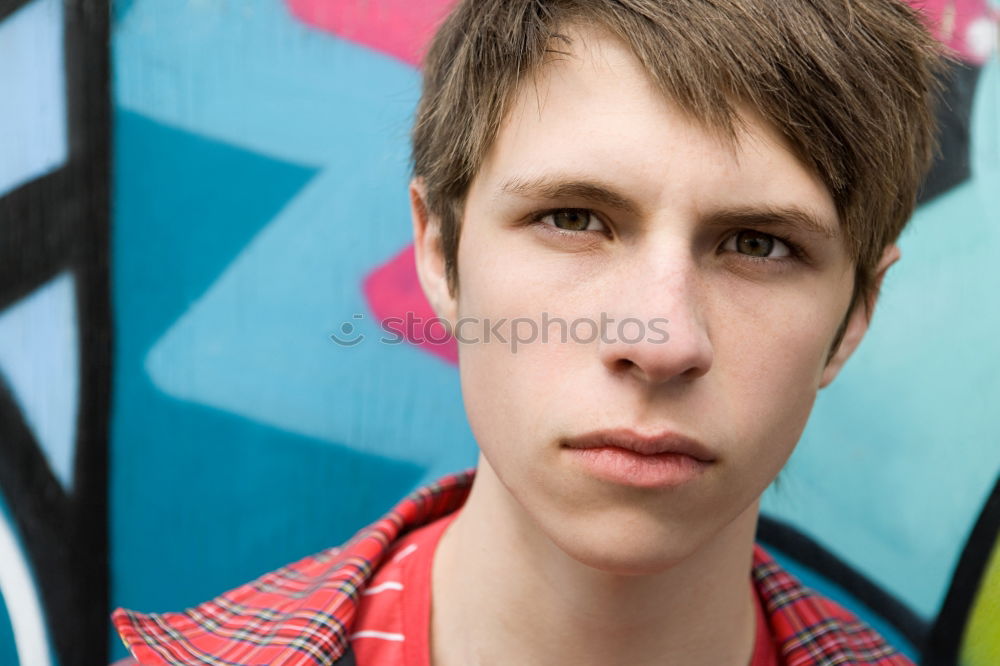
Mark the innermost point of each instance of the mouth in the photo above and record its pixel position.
(625, 457)
(664, 442)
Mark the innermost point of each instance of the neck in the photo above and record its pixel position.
(504, 592)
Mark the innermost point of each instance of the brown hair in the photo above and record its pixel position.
(850, 84)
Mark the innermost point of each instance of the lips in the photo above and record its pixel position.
(644, 444)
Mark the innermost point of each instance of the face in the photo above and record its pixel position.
(601, 200)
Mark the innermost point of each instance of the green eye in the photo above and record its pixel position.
(573, 219)
(757, 244)
(754, 243)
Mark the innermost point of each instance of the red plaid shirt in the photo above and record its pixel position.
(301, 614)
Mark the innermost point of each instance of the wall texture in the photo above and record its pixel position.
(175, 418)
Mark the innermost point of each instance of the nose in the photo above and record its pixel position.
(660, 333)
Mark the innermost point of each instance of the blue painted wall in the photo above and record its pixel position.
(259, 180)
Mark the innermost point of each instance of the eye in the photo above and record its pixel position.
(572, 219)
(757, 244)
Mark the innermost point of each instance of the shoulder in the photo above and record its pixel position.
(809, 628)
(260, 622)
(298, 614)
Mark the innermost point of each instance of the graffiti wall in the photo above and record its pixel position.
(196, 195)
(55, 331)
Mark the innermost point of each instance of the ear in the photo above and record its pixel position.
(858, 320)
(428, 253)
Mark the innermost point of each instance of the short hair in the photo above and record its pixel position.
(851, 84)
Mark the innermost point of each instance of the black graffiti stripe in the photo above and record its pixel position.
(8, 7)
(945, 639)
(57, 223)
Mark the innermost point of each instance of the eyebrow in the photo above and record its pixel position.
(791, 216)
(552, 188)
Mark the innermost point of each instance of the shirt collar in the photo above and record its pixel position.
(302, 613)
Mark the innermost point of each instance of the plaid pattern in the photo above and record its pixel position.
(300, 615)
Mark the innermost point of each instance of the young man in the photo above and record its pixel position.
(714, 190)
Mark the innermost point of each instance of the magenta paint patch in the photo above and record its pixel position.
(968, 27)
(400, 28)
(395, 298)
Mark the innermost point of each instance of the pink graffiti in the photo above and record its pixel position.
(967, 27)
(396, 299)
(400, 28)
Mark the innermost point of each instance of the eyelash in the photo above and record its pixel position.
(795, 251)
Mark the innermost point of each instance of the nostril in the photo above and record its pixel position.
(625, 365)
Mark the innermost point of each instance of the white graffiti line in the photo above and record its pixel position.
(23, 605)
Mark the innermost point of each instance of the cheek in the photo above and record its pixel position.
(495, 390)
(516, 392)
(772, 352)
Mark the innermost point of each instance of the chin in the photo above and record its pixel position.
(630, 563)
(634, 551)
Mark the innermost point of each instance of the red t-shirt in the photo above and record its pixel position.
(393, 621)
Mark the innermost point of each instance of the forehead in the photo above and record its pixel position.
(592, 113)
